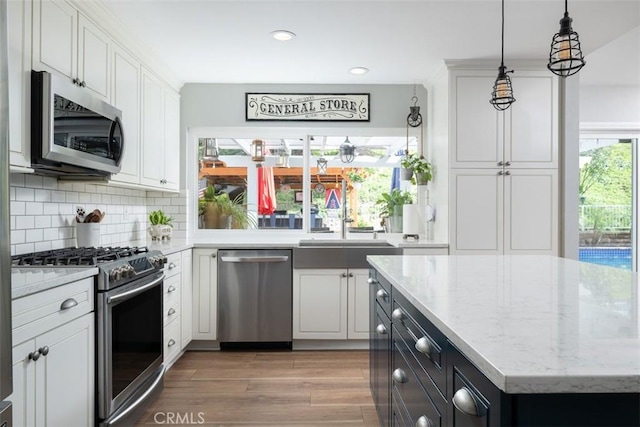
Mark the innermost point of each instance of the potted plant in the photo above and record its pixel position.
(422, 170)
(219, 211)
(391, 208)
(161, 225)
(356, 178)
(406, 170)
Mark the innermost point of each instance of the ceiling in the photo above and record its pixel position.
(401, 42)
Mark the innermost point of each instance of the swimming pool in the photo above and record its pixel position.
(613, 257)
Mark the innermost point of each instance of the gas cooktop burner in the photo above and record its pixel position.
(76, 256)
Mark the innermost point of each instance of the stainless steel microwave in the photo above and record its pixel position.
(73, 133)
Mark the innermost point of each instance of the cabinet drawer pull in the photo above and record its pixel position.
(500, 163)
(68, 303)
(424, 421)
(44, 350)
(423, 346)
(171, 289)
(344, 275)
(464, 402)
(34, 355)
(507, 173)
(500, 172)
(213, 255)
(172, 265)
(382, 294)
(507, 164)
(171, 343)
(400, 376)
(381, 330)
(171, 311)
(397, 314)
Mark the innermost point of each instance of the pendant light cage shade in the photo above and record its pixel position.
(502, 94)
(565, 58)
(347, 151)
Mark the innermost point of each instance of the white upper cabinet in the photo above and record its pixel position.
(125, 96)
(19, 44)
(68, 44)
(524, 136)
(160, 134)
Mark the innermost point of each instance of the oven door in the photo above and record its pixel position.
(129, 348)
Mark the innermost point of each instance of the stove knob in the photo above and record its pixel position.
(127, 271)
(116, 274)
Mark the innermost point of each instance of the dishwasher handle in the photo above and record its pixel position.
(253, 259)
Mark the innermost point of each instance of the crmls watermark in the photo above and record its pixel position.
(179, 418)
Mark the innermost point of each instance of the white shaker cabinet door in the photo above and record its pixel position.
(94, 58)
(187, 298)
(152, 131)
(358, 311)
(55, 37)
(476, 211)
(205, 294)
(531, 211)
(171, 139)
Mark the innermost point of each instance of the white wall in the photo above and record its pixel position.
(609, 104)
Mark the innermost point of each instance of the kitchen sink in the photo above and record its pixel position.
(344, 242)
(335, 254)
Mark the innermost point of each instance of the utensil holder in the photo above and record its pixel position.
(88, 234)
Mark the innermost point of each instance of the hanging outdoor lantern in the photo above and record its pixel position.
(322, 166)
(283, 157)
(211, 149)
(347, 151)
(257, 151)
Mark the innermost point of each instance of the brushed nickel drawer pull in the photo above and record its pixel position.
(465, 402)
(171, 311)
(171, 289)
(400, 376)
(172, 265)
(171, 343)
(68, 303)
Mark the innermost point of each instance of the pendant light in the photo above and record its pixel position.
(257, 151)
(211, 149)
(565, 58)
(502, 95)
(322, 166)
(347, 151)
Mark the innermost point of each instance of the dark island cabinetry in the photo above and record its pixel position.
(419, 377)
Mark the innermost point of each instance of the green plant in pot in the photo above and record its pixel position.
(391, 208)
(406, 166)
(161, 225)
(422, 171)
(220, 211)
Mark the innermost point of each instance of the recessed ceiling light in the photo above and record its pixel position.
(359, 70)
(282, 35)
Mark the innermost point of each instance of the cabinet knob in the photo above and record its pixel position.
(213, 255)
(34, 355)
(507, 164)
(83, 84)
(350, 274)
(371, 281)
(44, 350)
(171, 343)
(171, 266)
(423, 346)
(381, 294)
(171, 289)
(507, 173)
(171, 311)
(424, 421)
(400, 376)
(381, 330)
(500, 163)
(343, 275)
(500, 173)
(397, 314)
(464, 402)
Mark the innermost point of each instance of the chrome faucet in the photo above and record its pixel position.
(345, 211)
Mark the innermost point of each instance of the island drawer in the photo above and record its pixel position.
(383, 293)
(424, 341)
(408, 391)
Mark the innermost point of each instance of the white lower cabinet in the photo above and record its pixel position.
(205, 294)
(176, 304)
(54, 357)
(330, 304)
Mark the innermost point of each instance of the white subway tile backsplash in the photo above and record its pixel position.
(49, 183)
(42, 195)
(58, 196)
(17, 208)
(43, 221)
(34, 208)
(42, 246)
(18, 236)
(34, 235)
(50, 234)
(50, 208)
(12, 193)
(72, 197)
(16, 180)
(25, 194)
(23, 248)
(33, 181)
(78, 187)
(24, 222)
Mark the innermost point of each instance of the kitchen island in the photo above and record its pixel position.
(532, 340)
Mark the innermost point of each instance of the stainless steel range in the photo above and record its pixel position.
(129, 324)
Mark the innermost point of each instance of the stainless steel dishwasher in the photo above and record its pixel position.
(254, 298)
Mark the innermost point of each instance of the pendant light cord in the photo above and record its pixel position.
(502, 37)
(566, 7)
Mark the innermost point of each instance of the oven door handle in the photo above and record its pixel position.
(134, 291)
(139, 400)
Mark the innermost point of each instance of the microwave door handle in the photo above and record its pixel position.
(117, 123)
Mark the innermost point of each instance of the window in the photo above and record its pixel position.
(238, 191)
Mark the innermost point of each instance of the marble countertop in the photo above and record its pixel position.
(29, 280)
(531, 324)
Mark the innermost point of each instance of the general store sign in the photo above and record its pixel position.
(352, 107)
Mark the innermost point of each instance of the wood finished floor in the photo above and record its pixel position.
(289, 388)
